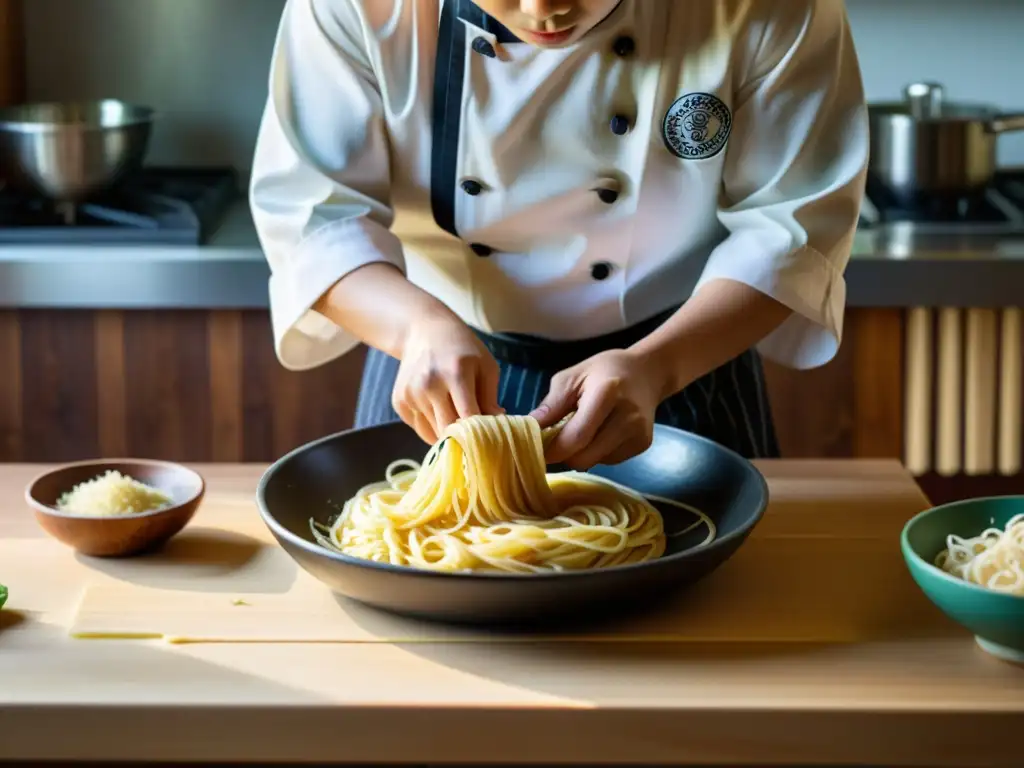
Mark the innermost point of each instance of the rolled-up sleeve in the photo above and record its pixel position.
(320, 183)
(794, 172)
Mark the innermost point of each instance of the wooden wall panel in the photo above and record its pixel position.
(206, 386)
(12, 52)
(58, 386)
(187, 386)
(284, 409)
(877, 357)
(226, 357)
(168, 394)
(111, 384)
(294, 407)
(814, 410)
(11, 417)
(258, 404)
(851, 406)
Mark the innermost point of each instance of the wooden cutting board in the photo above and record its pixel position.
(773, 590)
(811, 572)
(928, 696)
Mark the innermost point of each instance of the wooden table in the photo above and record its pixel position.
(926, 696)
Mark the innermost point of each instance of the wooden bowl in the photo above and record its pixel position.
(125, 534)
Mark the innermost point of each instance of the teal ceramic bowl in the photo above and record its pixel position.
(995, 618)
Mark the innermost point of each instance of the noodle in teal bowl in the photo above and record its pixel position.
(968, 559)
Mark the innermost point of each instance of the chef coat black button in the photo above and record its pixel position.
(481, 250)
(620, 125)
(624, 46)
(471, 187)
(484, 48)
(608, 196)
(601, 271)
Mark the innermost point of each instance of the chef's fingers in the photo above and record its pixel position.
(487, 383)
(559, 402)
(621, 437)
(593, 408)
(403, 408)
(462, 390)
(444, 413)
(412, 417)
(424, 428)
(421, 400)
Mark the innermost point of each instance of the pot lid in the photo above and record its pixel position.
(927, 101)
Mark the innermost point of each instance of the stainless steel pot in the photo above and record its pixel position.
(71, 151)
(925, 146)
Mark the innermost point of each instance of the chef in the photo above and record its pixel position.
(607, 207)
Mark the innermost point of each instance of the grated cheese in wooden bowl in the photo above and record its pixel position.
(112, 495)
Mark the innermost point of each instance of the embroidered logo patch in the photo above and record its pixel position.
(696, 126)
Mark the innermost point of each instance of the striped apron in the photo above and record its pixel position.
(729, 405)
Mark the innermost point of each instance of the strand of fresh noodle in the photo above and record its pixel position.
(702, 519)
(993, 559)
(482, 501)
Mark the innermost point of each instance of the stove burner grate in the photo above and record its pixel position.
(159, 205)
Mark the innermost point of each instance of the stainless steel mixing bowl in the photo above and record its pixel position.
(72, 151)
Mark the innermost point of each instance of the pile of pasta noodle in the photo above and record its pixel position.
(992, 559)
(482, 501)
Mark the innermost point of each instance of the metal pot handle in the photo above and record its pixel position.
(1006, 123)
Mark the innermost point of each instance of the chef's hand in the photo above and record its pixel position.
(446, 373)
(615, 395)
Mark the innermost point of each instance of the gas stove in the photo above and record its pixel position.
(950, 224)
(999, 210)
(182, 206)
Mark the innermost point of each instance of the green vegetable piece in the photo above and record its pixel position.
(3, 595)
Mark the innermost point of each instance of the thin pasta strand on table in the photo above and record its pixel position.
(483, 501)
(993, 559)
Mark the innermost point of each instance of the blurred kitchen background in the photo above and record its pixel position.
(203, 63)
(164, 349)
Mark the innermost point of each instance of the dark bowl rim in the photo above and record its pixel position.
(315, 549)
(911, 554)
(12, 117)
(37, 505)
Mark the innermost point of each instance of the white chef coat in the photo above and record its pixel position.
(563, 193)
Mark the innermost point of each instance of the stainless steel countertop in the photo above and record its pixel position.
(888, 269)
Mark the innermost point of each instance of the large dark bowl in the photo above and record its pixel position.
(314, 480)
